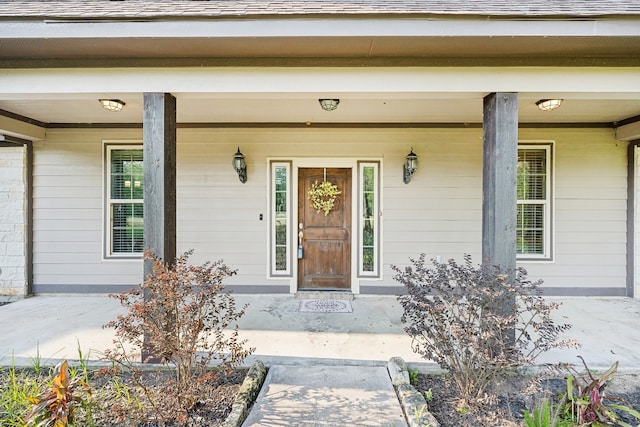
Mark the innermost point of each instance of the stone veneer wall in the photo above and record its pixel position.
(12, 222)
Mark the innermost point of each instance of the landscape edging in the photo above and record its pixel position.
(246, 394)
(413, 404)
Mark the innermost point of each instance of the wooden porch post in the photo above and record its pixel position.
(499, 175)
(159, 151)
(159, 129)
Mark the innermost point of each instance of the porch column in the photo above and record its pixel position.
(16, 219)
(499, 174)
(159, 128)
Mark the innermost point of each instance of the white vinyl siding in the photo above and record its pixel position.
(69, 227)
(439, 212)
(125, 192)
(533, 224)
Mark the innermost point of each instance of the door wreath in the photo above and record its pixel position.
(323, 196)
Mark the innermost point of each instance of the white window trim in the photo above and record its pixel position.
(272, 221)
(376, 216)
(109, 146)
(316, 162)
(549, 216)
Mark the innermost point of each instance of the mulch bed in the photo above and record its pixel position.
(508, 409)
(113, 404)
(215, 399)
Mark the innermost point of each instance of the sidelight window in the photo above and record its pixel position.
(369, 200)
(280, 219)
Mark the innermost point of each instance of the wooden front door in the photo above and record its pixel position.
(326, 239)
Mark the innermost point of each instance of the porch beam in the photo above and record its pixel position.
(159, 137)
(499, 174)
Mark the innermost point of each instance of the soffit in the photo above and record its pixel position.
(326, 47)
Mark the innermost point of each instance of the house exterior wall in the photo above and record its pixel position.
(68, 215)
(590, 208)
(439, 212)
(12, 221)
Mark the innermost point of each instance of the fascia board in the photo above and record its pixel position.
(320, 28)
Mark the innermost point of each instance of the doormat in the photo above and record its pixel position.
(325, 306)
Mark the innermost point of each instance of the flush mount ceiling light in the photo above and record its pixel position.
(548, 104)
(329, 104)
(113, 105)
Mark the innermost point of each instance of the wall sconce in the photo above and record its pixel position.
(113, 105)
(410, 166)
(549, 104)
(240, 166)
(329, 104)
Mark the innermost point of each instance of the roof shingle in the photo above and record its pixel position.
(157, 9)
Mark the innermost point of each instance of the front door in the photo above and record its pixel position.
(325, 261)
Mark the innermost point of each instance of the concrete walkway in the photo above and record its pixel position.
(327, 396)
(324, 367)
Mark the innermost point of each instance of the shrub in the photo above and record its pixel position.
(474, 323)
(180, 317)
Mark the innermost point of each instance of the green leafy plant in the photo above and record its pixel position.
(475, 322)
(55, 407)
(16, 387)
(541, 416)
(413, 376)
(545, 414)
(181, 318)
(585, 401)
(36, 361)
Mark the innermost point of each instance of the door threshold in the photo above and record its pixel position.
(329, 294)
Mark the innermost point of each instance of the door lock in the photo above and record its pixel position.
(300, 235)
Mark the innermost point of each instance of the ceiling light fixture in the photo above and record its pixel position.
(113, 105)
(329, 104)
(549, 104)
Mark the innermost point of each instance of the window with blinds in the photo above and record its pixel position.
(533, 230)
(125, 200)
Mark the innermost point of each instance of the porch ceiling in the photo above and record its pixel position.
(353, 108)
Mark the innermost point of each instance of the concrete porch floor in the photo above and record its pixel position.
(54, 326)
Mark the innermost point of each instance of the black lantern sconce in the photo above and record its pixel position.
(240, 166)
(410, 166)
